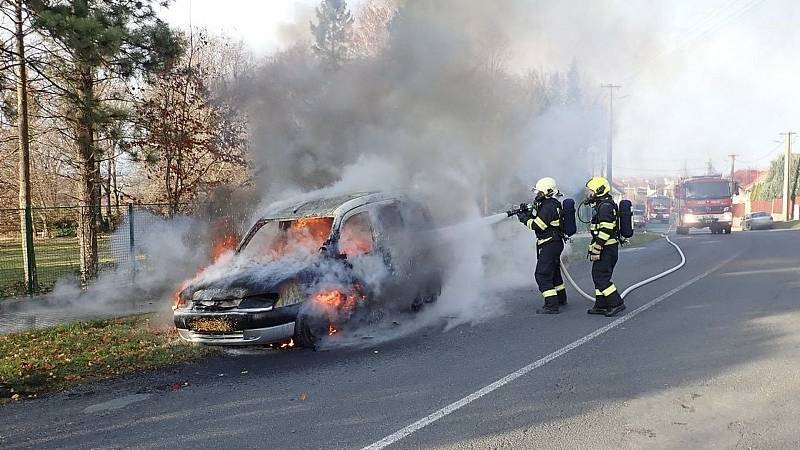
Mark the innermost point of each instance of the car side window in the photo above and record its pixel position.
(417, 217)
(391, 221)
(356, 236)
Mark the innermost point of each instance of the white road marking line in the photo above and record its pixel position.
(455, 406)
(761, 271)
(117, 403)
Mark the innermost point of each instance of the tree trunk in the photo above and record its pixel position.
(98, 192)
(113, 163)
(26, 220)
(107, 186)
(87, 177)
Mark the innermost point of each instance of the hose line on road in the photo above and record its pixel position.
(635, 286)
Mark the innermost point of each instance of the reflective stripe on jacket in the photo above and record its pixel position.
(547, 223)
(603, 228)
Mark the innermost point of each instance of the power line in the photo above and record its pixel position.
(713, 21)
(764, 156)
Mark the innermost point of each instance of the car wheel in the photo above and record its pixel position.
(727, 230)
(422, 299)
(310, 329)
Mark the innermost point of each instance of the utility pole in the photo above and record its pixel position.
(733, 170)
(23, 136)
(610, 154)
(787, 159)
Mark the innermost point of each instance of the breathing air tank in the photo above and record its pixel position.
(625, 219)
(569, 225)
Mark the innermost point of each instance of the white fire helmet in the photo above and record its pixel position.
(547, 186)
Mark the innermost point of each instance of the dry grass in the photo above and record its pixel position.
(53, 359)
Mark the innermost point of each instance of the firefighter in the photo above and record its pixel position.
(604, 248)
(544, 217)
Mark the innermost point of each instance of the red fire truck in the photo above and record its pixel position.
(704, 202)
(659, 208)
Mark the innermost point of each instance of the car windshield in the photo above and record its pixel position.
(659, 201)
(277, 239)
(704, 190)
(759, 214)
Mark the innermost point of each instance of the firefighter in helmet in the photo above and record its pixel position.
(544, 217)
(604, 248)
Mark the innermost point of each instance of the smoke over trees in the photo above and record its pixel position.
(437, 106)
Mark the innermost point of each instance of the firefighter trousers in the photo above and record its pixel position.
(548, 273)
(605, 292)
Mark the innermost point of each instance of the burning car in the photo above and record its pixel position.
(307, 269)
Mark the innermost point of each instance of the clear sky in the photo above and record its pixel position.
(701, 79)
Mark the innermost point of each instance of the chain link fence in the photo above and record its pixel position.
(57, 252)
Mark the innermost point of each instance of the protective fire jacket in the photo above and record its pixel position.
(547, 222)
(603, 228)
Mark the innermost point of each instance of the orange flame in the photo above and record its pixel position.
(289, 344)
(224, 242)
(222, 245)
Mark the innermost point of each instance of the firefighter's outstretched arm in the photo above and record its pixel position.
(604, 231)
(547, 215)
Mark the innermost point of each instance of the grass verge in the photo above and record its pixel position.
(640, 238)
(52, 359)
(577, 249)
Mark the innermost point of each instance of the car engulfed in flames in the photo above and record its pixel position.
(306, 271)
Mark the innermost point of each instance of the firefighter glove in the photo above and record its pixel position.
(593, 257)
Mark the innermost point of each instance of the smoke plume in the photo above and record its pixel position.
(440, 112)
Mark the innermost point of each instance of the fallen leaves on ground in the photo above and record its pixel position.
(55, 358)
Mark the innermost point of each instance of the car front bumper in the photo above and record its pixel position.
(706, 220)
(237, 327)
(266, 335)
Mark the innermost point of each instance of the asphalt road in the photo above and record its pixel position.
(712, 364)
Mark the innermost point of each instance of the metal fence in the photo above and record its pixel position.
(56, 246)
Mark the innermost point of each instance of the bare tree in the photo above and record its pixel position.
(371, 32)
(189, 140)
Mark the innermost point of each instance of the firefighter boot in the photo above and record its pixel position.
(614, 310)
(600, 306)
(596, 310)
(562, 297)
(550, 306)
(615, 304)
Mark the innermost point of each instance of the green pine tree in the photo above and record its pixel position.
(333, 32)
(94, 41)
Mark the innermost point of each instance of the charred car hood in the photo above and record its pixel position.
(256, 279)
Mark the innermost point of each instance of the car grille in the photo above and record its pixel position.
(291, 293)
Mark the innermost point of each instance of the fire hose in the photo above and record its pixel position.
(635, 286)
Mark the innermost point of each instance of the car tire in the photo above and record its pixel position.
(727, 230)
(310, 329)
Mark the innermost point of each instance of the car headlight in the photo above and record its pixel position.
(689, 218)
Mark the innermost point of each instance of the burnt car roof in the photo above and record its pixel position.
(324, 206)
